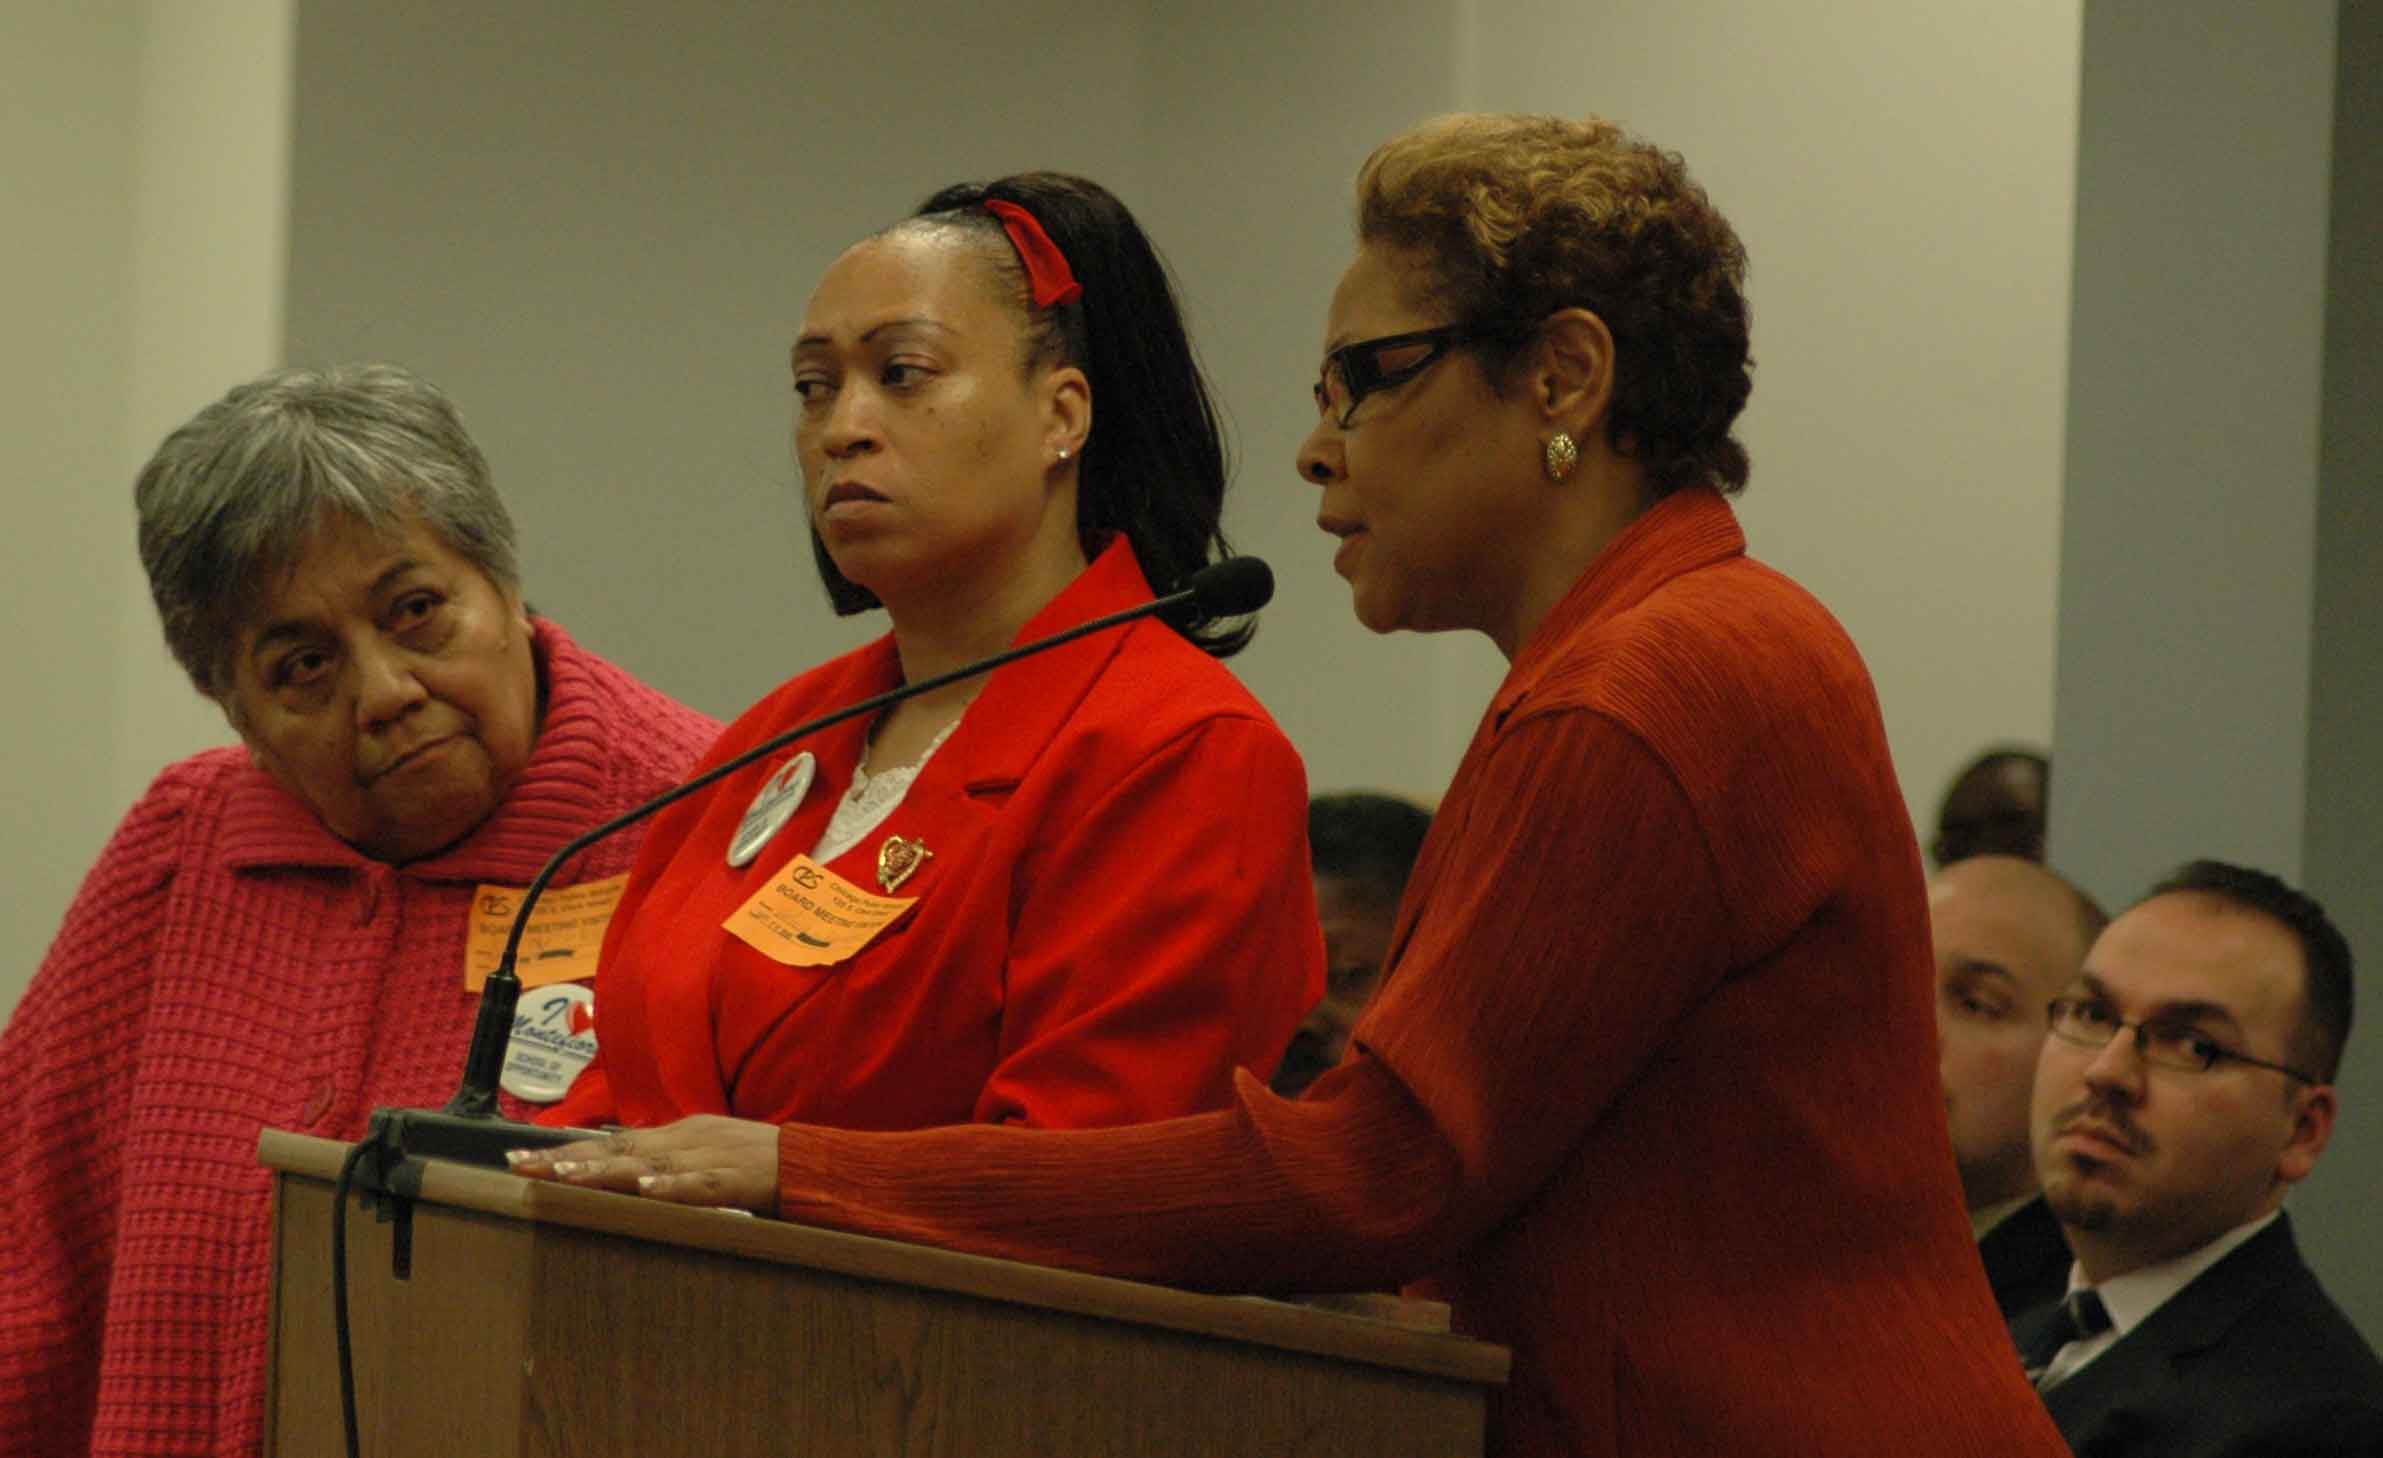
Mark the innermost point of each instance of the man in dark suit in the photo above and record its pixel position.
(2008, 934)
(2187, 1084)
(2026, 1257)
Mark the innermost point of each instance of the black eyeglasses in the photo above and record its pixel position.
(1355, 371)
(2091, 1024)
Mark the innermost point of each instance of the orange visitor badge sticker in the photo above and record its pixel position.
(811, 917)
(559, 945)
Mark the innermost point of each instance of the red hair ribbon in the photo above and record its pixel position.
(1054, 283)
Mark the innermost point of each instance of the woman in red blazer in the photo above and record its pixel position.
(1649, 1090)
(1073, 892)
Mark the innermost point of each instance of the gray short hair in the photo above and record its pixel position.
(234, 496)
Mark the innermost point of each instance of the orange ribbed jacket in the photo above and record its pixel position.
(1649, 1093)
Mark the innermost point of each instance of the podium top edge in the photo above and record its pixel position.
(1342, 1334)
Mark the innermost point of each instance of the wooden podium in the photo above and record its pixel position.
(537, 1319)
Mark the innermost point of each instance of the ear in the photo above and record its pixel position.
(1067, 412)
(1573, 379)
(2312, 1126)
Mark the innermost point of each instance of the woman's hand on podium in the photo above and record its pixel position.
(705, 1160)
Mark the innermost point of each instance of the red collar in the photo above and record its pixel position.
(559, 794)
(1684, 531)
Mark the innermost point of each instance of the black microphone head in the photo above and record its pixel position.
(1233, 587)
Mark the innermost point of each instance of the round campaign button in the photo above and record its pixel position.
(780, 794)
(554, 1036)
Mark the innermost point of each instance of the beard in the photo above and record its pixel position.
(2079, 1209)
(2079, 1205)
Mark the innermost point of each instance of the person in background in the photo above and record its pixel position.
(1362, 847)
(1995, 806)
(2187, 1086)
(1647, 1093)
(276, 934)
(2009, 935)
(1070, 892)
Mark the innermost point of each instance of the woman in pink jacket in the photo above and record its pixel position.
(277, 933)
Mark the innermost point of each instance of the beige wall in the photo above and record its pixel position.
(209, 242)
(1253, 205)
(596, 225)
(140, 270)
(1902, 176)
(66, 137)
(1903, 179)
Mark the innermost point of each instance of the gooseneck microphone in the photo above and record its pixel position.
(469, 1129)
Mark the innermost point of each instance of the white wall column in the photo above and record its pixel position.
(146, 144)
(2218, 619)
(68, 122)
(210, 246)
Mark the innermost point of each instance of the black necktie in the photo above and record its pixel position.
(2078, 1316)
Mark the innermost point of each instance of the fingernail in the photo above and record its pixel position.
(567, 1167)
(514, 1157)
(646, 1183)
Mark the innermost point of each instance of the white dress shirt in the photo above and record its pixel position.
(2132, 1298)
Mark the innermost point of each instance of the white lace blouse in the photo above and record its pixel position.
(870, 800)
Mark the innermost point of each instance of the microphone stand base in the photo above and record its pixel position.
(400, 1138)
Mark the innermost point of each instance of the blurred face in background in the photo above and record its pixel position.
(2008, 938)
(1357, 922)
(1995, 807)
(1356, 939)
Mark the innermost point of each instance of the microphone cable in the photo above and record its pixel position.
(339, 1288)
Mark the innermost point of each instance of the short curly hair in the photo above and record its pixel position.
(1516, 217)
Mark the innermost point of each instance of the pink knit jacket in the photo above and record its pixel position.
(228, 965)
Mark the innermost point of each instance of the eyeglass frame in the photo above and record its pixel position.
(1444, 339)
(2143, 1029)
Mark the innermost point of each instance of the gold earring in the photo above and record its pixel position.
(1562, 456)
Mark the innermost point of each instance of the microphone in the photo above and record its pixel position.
(1233, 588)
(469, 1129)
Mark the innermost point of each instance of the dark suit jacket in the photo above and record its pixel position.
(2252, 1358)
(2027, 1259)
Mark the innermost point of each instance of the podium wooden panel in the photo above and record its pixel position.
(543, 1320)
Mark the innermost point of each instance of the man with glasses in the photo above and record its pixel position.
(2187, 1085)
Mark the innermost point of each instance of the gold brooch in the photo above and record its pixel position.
(897, 859)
